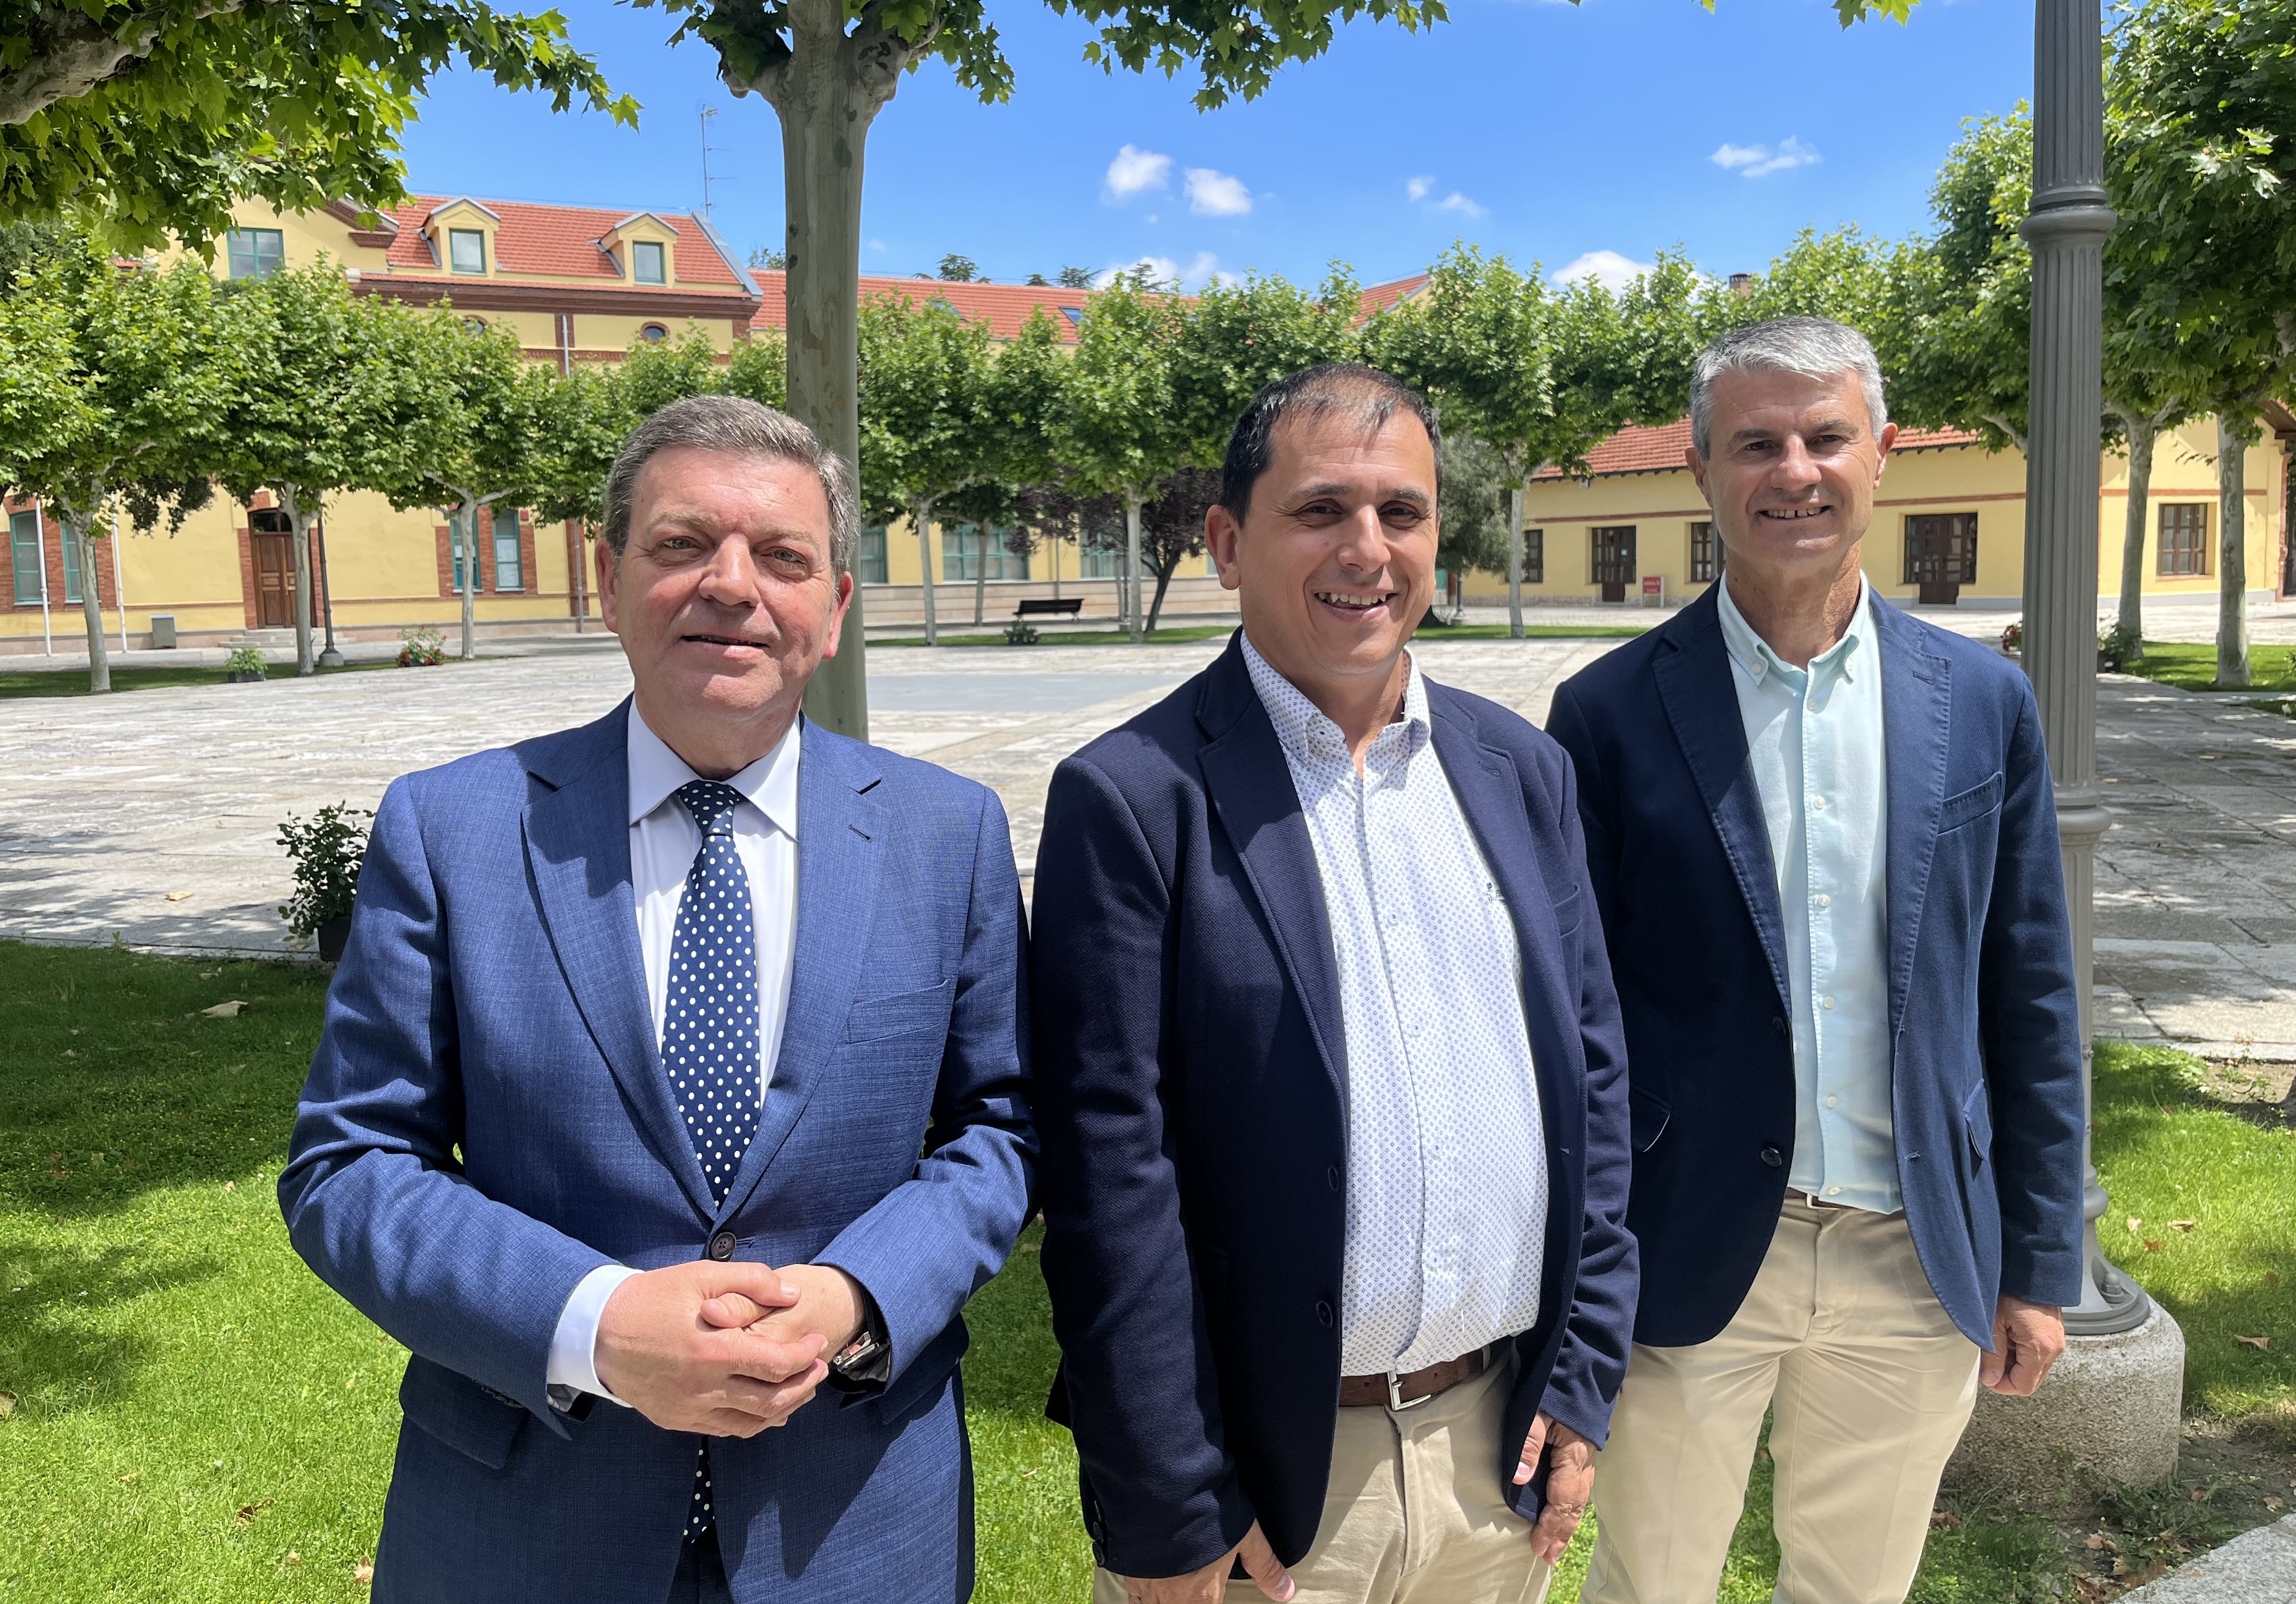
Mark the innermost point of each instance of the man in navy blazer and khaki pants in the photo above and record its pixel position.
(1330, 1077)
(632, 1015)
(1824, 844)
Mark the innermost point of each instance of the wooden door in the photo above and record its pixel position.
(1614, 561)
(275, 580)
(1942, 555)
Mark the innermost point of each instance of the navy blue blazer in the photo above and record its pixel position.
(1192, 1095)
(487, 1120)
(1985, 1030)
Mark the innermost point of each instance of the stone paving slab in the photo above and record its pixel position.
(107, 807)
(2256, 1568)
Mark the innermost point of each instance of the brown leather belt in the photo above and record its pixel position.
(1392, 1391)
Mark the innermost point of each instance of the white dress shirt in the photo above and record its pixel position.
(1447, 1149)
(1821, 765)
(664, 842)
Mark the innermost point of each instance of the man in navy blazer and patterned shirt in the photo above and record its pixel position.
(1330, 1077)
(1824, 844)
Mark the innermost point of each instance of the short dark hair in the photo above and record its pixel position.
(1362, 392)
(740, 427)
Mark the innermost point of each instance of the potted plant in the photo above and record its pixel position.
(243, 667)
(2013, 639)
(327, 850)
(421, 648)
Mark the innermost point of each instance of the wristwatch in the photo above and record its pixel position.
(867, 1361)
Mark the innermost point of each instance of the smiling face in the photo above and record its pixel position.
(1793, 466)
(1333, 565)
(724, 600)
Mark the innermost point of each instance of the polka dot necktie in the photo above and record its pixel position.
(709, 1028)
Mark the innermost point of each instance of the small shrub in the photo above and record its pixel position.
(421, 648)
(2118, 647)
(327, 850)
(1018, 634)
(243, 660)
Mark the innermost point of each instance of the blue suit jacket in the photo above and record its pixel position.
(487, 1120)
(1986, 1083)
(1192, 1089)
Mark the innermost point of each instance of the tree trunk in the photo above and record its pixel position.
(826, 92)
(2143, 435)
(1163, 583)
(979, 576)
(921, 515)
(300, 521)
(469, 579)
(2231, 588)
(1514, 560)
(75, 526)
(1132, 505)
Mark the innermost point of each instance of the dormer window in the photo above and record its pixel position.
(466, 249)
(647, 263)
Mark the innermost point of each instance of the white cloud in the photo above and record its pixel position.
(1759, 162)
(1134, 170)
(1215, 194)
(1200, 269)
(876, 244)
(1417, 188)
(1607, 268)
(1456, 202)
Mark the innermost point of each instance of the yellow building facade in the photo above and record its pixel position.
(1948, 522)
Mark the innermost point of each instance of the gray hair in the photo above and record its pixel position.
(740, 427)
(1816, 346)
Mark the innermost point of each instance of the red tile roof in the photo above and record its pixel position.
(562, 242)
(1660, 450)
(1007, 308)
(1378, 298)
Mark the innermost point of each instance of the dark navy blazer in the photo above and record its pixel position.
(1191, 1093)
(487, 1120)
(1985, 1031)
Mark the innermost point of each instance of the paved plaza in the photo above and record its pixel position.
(152, 816)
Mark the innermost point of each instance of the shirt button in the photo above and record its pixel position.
(1772, 1158)
(1833, 1191)
(1818, 803)
(1324, 1313)
(1832, 1101)
(1827, 1002)
(721, 1246)
(1823, 901)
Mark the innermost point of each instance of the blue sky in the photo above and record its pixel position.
(1552, 132)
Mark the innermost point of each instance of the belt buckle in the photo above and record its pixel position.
(1395, 1399)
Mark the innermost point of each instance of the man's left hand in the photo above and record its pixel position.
(1569, 1484)
(829, 1301)
(2027, 1338)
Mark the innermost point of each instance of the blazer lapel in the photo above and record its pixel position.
(841, 850)
(577, 849)
(1917, 728)
(1252, 797)
(1692, 670)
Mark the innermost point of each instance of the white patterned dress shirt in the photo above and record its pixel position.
(664, 841)
(1446, 1148)
(1815, 738)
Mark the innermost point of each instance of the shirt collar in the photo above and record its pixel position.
(1753, 653)
(770, 783)
(1302, 728)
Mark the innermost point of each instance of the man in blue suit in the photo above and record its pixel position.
(1331, 1077)
(672, 1096)
(1825, 845)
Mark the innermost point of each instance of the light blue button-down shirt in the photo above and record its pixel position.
(1815, 738)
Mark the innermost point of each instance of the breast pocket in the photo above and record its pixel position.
(1971, 805)
(900, 1013)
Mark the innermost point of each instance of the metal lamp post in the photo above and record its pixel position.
(2067, 231)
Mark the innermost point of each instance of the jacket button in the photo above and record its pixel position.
(1772, 1158)
(1332, 1177)
(1324, 1312)
(721, 1246)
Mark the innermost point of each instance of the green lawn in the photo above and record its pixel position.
(1205, 632)
(73, 682)
(2192, 666)
(187, 1414)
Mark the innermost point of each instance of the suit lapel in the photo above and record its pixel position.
(577, 849)
(841, 851)
(1257, 806)
(1917, 728)
(1692, 670)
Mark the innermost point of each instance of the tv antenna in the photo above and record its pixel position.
(707, 113)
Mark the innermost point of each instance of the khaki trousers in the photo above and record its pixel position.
(1870, 1383)
(1415, 1513)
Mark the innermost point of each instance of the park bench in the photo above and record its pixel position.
(1042, 607)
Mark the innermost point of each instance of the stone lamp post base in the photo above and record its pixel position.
(2111, 1406)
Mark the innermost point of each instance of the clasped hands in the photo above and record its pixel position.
(725, 1349)
(1569, 1484)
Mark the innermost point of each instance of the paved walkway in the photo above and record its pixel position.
(2255, 1567)
(153, 815)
